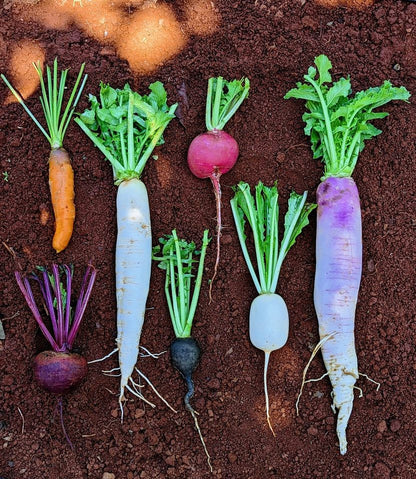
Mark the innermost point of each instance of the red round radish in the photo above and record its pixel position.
(59, 372)
(212, 152)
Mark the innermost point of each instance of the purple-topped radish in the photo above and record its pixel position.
(60, 370)
(214, 153)
(338, 125)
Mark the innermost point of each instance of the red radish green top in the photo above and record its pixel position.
(337, 122)
(215, 152)
(223, 100)
(56, 294)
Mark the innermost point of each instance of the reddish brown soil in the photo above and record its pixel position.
(273, 43)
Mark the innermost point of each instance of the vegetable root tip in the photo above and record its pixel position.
(266, 394)
(194, 416)
(270, 426)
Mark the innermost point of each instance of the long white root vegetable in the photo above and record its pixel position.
(133, 264)
(126, 127)
(338, 125)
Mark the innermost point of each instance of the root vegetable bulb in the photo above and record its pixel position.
(269, 317)
(339, 124)
(215, 152)
(60, 370)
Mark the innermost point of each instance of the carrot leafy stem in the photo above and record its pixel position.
(337, 122)
(52, 100)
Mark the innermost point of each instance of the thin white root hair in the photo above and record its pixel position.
(139, 395)
(23, 420)
(315, 380)
(103, 358)
(111, 392)
(266, 363)
(361, 391)
(111, 375)
(193, 414)
(110, 371)
(149, 354)
(155, 390)
(371, 380)
(314, 353)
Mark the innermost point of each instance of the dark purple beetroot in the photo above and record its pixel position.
(59, 372)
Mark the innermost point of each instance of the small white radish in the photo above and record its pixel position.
(269, 317)
(126, 127)
(269, 330)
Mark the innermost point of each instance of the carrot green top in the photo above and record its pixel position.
(338, 123)
(52, 101)
(126, 126)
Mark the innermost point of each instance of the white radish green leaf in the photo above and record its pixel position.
(261, 212)
(127, 126)
(337, 122)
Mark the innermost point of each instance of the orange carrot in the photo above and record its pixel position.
(61, 174)
(61, 185)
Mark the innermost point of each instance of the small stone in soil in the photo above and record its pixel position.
(312, 431)
(170, 460)
(214, 384)
(395, 425)
(381, 471)
(382, 426)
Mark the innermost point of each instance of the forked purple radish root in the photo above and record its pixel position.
(58, 371)
(339, 124)
(215, 152)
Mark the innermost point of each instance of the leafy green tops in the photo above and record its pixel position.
(261, 211)
(223, 100)
(337, 122)
(178, 258)
(126, 126)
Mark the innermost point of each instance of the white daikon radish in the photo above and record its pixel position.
(126, 127)
(269, 317)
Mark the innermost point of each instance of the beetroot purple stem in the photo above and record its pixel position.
(57, 299)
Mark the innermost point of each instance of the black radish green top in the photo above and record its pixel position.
(177, 259)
